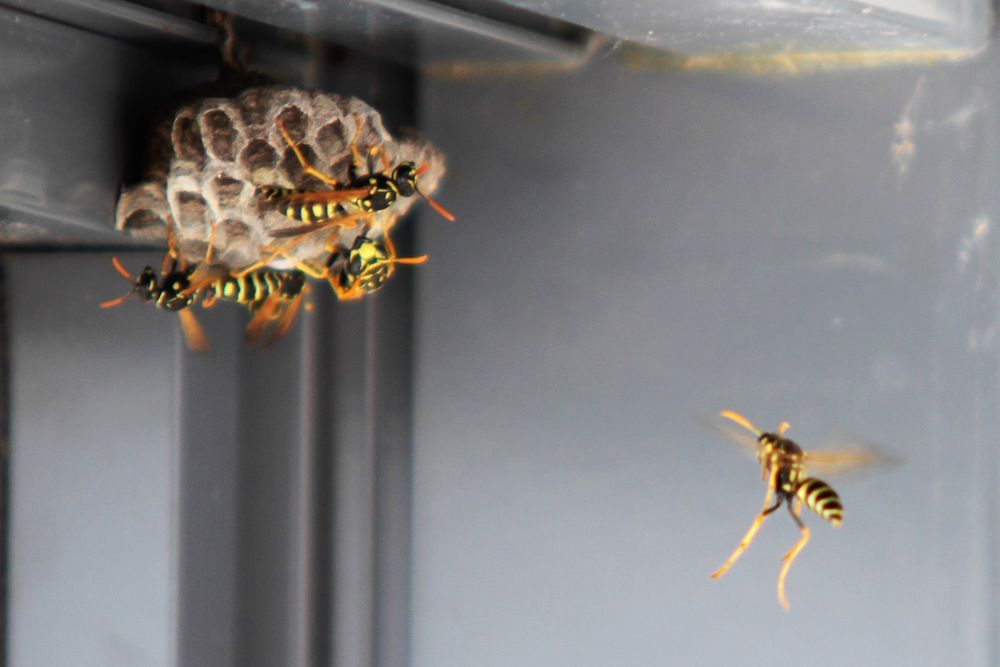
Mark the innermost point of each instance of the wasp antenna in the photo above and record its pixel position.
(115, 302)
(121, 269)
(410, 260)
(441, 210)
(741, 420)
(400, 260)
(422, 169)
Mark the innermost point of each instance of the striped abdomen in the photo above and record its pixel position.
(305, 206)
(820, 497)
(255, 287)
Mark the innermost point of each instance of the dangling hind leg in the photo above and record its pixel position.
(795, 509)
(754, 527)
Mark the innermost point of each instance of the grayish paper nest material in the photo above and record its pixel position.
(216, 153)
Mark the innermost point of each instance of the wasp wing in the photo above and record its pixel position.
(203, 276)
(834, 457)
(847, 456)
(337, 196)
(319, 225)
(194, 335)
(272, 319)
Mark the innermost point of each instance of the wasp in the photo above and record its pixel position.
(272, 296)
(783, 466)
(369, 194)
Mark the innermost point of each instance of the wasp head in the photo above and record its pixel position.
(145, 284)
(404, 177)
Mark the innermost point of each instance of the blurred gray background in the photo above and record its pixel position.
(501, 458)
(639, 249)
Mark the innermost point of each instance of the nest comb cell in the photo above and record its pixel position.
(215, 154)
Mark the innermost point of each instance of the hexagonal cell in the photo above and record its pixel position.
(143, 211)
(186, 138)
(220, 135)
(142, 219)
(331, 138)
(258, 156)
(226, 191)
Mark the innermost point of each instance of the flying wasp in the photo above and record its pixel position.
(369, 194)
(783, 467)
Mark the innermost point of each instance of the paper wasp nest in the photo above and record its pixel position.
(216, 153)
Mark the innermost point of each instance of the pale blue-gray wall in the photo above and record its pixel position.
(637, 250)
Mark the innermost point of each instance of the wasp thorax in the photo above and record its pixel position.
(381, 194)
(171, 292)
(774, 442)
(293, 284)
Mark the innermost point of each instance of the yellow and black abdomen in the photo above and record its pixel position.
(820, 497)
(295, 204)
(253, 288)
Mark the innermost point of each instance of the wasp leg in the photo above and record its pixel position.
(284, 251)
(355, 161)
(754, 527)
(795, 509)
(377, 152)
(306, 167)
(211, 245)
(311, 270)
(172, 253)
